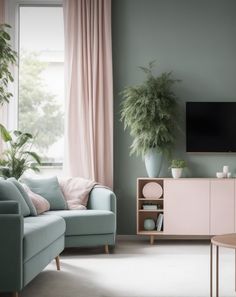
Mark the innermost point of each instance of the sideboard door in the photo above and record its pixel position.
(222, 206)
(186, 205)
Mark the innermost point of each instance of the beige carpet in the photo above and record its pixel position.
(135, 269)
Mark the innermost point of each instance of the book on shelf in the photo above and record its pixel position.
(149, 206)
(159, 223)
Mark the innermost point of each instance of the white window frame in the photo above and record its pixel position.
(12, 9)
(12, 18)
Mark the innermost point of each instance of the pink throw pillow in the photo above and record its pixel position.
(40, 203)
(76, 191)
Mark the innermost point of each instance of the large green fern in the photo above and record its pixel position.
(149, 110)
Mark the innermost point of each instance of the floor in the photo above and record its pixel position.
(135, 269)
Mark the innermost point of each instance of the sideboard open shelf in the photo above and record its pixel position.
(143, 214)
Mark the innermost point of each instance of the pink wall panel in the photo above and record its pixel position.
(222, 206)
(186, 204)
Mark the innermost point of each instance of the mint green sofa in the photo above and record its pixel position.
(93, 227)
(29, 244)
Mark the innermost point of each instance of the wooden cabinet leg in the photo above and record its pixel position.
(106, 249)
(58, 263)
(151, 239)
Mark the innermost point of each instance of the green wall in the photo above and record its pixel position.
(194, 38)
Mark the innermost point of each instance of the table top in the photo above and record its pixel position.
(226, 240)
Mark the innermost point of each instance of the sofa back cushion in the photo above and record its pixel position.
(48, 188)
(28, 201)
(8, 191)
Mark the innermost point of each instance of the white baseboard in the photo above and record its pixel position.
(161, 238)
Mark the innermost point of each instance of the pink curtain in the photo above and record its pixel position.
(89, 90)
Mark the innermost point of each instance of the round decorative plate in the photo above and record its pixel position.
(152, 190)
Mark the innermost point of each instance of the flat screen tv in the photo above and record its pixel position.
(211, 127)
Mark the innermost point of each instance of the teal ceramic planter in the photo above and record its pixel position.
(153, 162)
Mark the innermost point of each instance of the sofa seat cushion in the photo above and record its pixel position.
(87, 222)
(40, 232)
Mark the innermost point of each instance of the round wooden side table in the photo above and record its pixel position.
(227, 241)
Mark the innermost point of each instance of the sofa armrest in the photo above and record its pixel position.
(11, 247)
(9, 207)
(102, 199)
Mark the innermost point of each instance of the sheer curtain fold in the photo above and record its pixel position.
(89, 90)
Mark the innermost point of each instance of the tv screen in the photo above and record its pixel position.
(211, 127)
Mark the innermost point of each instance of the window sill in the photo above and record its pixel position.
(49, 164)
(53, 166)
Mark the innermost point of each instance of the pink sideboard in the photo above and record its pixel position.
(199, 206)
(192, 206)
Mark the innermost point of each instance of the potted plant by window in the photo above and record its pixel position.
(18, 156)
(177, 167)
(149, 110)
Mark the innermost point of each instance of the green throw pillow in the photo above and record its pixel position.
(49, 188)
(28, 201)
(8, 191)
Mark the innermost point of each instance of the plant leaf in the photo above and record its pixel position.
(5, 134)
(34, 155)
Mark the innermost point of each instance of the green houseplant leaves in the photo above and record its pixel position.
(178, 163)
(7, 59)
(18, 157)
(149, 110)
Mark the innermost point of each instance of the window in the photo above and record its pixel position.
(41, 79)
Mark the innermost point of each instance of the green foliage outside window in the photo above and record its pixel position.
(39, 112)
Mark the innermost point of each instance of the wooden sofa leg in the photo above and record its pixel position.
(106, 249)
(15, 294)
(58, 263)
